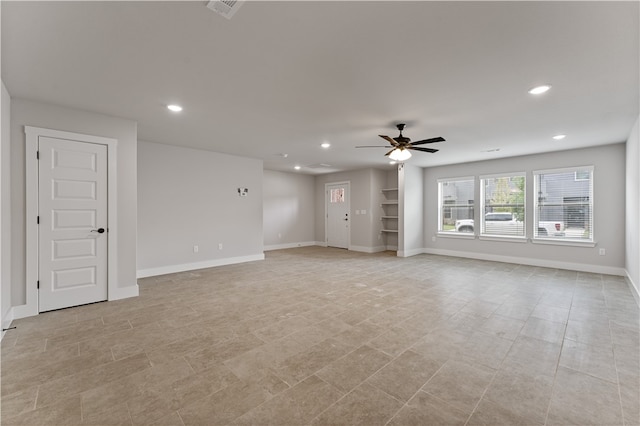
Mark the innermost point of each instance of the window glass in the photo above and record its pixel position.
(563, 204)
(503, 206)
(456, 205)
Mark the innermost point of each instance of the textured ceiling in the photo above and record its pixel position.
(283, 77)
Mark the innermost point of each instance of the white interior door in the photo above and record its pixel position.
(72, 234)
(338, 220)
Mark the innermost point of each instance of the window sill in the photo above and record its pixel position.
(459, 235)
(503, 238)
(563, 242)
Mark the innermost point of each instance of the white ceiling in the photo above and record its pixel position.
(283, 77)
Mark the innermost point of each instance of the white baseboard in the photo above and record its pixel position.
(321, 244)
(23, 311)
(596, 269)
(124, 292)
(6, 321)
(172, 269)
(633, 287)
(290, 245)
(409, 253)
(364, 249)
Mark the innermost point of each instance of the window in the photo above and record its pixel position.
(503, 205)
(337, 195)
(456, 205)
(563, 204)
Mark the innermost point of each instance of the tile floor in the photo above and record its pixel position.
(319, 336)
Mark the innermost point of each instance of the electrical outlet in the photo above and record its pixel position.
(220, 246)
(603, 252)
(433, 238)
(279, 235)
(195, 249)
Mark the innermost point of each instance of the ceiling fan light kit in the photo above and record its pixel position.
(401, 145)
(400, 154)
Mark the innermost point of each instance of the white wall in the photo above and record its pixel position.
(609, 211)
(189, 197)
(6, 314)
(411, 208)
(288, 209)
(30, 113)
(632, 221)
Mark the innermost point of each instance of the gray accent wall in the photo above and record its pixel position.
(189, 197)
(609, 211)
(289, 209)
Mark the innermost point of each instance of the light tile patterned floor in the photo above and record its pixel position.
(320, 336)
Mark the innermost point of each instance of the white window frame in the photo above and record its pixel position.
(498, 237)
(463, 235)
(558, 240)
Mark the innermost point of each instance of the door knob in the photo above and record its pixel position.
(99, 230)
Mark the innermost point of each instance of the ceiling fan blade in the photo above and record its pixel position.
(432, 140)
(390, 140)
(387, 154)
(374, 146)
(423, 149)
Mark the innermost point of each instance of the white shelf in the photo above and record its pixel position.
(389, 230)
(389, 189)
(389, 217)
(390, 202)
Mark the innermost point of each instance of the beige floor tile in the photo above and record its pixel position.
(582, 399)
(425, 409)
(534, 356)
(597, 361)
(365, 405)
(64, 412)
(524, 394)
(590, 331)
(349, 371)
(395, 341)
(549, 331)
(117, 416)
(296, 406)
(485, 349)
(18, 402)
(210, 346)
(55, 390)
(501, 326)
(551, 313)
(460, 384)
(300, 366)
(489, 414)
(227, 404)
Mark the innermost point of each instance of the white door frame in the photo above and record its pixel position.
(326, 212)
(32, 246)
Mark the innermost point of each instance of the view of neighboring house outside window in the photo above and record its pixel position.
(456, 203)
(564, 197)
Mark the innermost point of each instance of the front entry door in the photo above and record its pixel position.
(338, 221)
(72, 209)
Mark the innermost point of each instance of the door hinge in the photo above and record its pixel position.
(37, 155)
(38, 220)
(38, 285)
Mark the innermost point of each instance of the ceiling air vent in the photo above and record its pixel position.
(226, 8)
(319, 166)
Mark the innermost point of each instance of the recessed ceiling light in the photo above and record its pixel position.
(492, 150)
(540, 89)
(297, 167)
(325, 145)
(559, 137)
(174, 108)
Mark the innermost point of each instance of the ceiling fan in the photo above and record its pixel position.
(401, 145)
